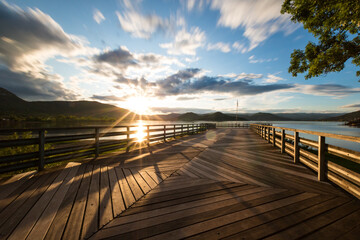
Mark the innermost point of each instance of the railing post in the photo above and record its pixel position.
(41, 149)
(97, 142)
(273, 136)
(174, 131)
(164, 133)
(148, 135)
(282, 141)
(268, 132)
(188, 129)
(296, 147)
(321, 159)
(182, 129)
(127, 138)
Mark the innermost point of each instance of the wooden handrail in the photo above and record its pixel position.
(86, 144)
(321, 162)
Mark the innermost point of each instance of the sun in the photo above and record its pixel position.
(139, 105)
(140, 132)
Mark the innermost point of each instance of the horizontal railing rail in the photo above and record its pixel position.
(26, 148)
(336, 164)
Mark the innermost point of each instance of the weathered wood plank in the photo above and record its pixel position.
(155, 176)
(161, 222)
(43, 224)
(75, 222)
(11, 184)
(129, 198)
(136, 190)
(15, 217)
(140, 181)
(116, 196)
(91, 217)
(105, 213)
(234, 230)
(58, 225)
(317, 222)
(229, 218)
(151, 182)
(285, 222)
(25, 226)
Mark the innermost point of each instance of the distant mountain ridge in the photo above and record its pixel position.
(346, 117)
(10, 104)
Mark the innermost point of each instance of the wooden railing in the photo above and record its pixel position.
(336, 164)
(26, 148)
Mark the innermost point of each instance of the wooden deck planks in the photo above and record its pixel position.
(59, 223)
(91, 218)
(25, 226)
(43, 224)
(230, 186)
(75, 221)
(116, 195)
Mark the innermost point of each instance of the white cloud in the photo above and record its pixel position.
(272, 78)
(28, 39)
(239, 47)
(31, 37)
(333, 90)
(186, 42)
(223, 47)
(98, 16)
(253, 59)
(259, 18)
(355, 105)
(194, 4)
(144, 26)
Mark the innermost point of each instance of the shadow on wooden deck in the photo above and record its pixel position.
(226, 183)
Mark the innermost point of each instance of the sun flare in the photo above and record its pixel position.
(140, 133)
(139, 105)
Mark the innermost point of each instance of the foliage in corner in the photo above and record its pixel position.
(336, 24)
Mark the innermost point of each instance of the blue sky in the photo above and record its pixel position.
(165, 56)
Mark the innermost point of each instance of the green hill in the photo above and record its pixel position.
(12, 105)
(346, 117)
(267, 117)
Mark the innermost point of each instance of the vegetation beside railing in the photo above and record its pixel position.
(336, 164)
(28, 148)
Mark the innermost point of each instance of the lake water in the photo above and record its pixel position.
(328, 127)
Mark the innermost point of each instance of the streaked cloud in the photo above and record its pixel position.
(240, 47)
(98, 16)
(140, 25)
(223, 47)
(259, 19)
(47, 87)
(273, 78)
(253, 59)
(30, 37)
(189, 81)
(333, 90)
(186, 43)
(186, 98)
(356, 105)
(166, 110)
(108, 98)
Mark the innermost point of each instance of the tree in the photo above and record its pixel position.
(336, 24)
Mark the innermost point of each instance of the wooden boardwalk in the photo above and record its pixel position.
(226, 183)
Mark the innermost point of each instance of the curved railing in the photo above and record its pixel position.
(27, 148)
(339, 165)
